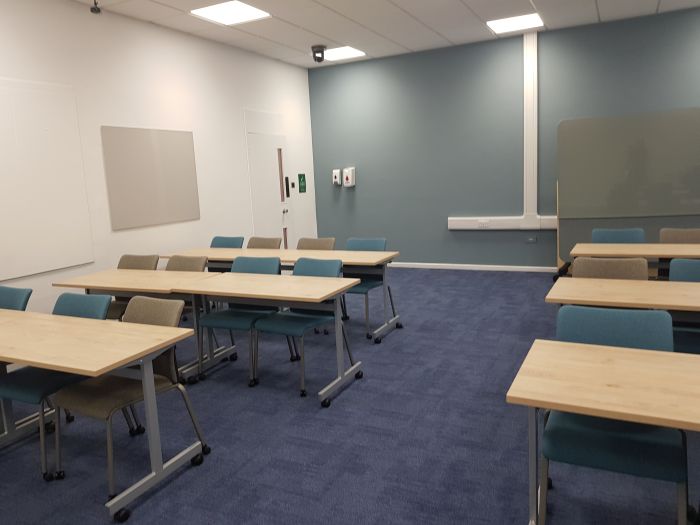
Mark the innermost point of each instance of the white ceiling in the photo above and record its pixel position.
(377, 27)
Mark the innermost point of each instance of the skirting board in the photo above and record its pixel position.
(478, 267)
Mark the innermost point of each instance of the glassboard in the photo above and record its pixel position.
(151, 176)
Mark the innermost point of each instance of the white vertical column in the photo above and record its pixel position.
(530, 129)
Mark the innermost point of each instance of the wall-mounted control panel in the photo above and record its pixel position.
(349, 177)
(336, 178)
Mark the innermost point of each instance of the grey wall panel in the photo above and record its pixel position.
(151, 176)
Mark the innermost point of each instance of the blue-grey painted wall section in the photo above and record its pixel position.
(431, 134)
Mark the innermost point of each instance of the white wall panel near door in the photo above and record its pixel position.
(44, 215)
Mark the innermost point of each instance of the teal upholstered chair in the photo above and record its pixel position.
(368, 282)
(295, 323)
(685, 324)
(243, 317)
(640, 450)
(14, 298)
(226, 242)
(618, 235)
(685, 270)
(34, 385)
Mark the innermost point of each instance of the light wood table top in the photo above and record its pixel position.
(146, 281)
(88, 347)
(621, 293)
(349, 257)
(645, 250)
(642, 386)
(283, 288)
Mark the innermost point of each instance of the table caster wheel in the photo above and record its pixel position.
(122, 515)
(206, 449)
(233, 357)
(326, 403)
(197, 460)
(359, 374)
(399, 325)
(302, 393)
(377, 340)
(60, 474)
(48, 476)
(202, 376)
(70, 418)
(192, 380)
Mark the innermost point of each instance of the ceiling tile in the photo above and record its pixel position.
(285, 33)
(616, 9)
(496, 9)
(187, 23)
(102, 3)
(450, 18)
(672, 5)
(144, 9)
(566, 13)
(386, 19)
(188, 5)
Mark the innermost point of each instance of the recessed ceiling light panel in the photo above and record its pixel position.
(515, 23)
(343, 53)
(230, 13)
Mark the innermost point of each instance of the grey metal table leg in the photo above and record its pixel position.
(533, 452)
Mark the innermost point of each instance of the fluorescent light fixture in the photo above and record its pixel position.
(230, 13)
(515, 23)
(343, 53)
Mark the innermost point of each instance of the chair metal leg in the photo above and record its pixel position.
(367, 316)
(256, 355)
(301, 367)
(128, 420)
(391, 300)
(42, 442)
(233, 341)
(344, 308)
(57, 443)
(683, 503)
(110, 460)
(251, 359)
(347, 346)
(134, 416)
(193, 417)
(542, 503)
(292, 355)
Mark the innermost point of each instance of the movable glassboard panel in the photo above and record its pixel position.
(44, 214)
(632, 166)
(151, 176)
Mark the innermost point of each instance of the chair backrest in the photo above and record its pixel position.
(618, 235)
(14, 298)
(685, 270)
(310, 243)
(318, 267)
(161, 312)
(266, 265)
(226, 242)
(138, 262)
(646, 329)
(184, 263)
(603, 268)
(81, 305)
(377, 244)
(679, 235)
(265, 242)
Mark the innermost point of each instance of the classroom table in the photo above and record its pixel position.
(91, 347)
(656, 388)
(294, 291)
(626, 293)
(355, 263)
(645, 250)
(156, 283)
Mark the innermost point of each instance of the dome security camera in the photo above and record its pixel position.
(95, 9)
(318, 53)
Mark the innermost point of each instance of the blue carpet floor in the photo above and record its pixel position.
(425, 437)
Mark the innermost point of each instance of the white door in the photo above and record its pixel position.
(270, 188)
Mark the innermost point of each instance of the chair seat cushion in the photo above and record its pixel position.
(31, 385)
(99, 397)
(629, 448)
(291, 323)
(365, 286)
(236, 319)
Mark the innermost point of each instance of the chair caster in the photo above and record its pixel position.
(50, 427)
(122, 515)
(399, 325)
(59, 474)
(48, 476)
(202, 376)
(253, 382)
(294, 358)
(345, 317)
(359, 374)
(369, 336)
(192, 380)
(233, 357)
(70, 418)
(302, 393)
(317, 331)
(206, 450)
(325, 331)
(137, 431)
(550, 485)
(377, 340)
(326, 403)
(197, 460)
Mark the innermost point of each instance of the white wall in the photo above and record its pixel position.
(131, 73)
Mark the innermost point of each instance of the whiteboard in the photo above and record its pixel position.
(44, 214)
(151, 176)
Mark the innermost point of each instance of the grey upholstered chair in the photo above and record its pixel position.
(101, 397)
(184, 263)
(264, 242)
(130, 262)
(679, 235)
(603, 268)
(310, 243)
